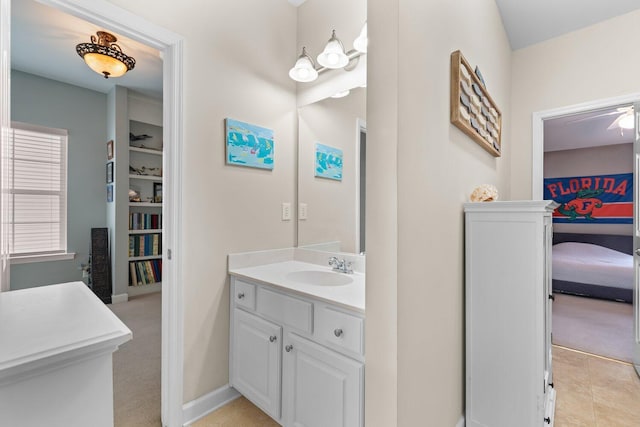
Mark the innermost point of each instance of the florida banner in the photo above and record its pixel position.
(601, 199)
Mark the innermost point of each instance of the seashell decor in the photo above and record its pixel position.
(484, 193)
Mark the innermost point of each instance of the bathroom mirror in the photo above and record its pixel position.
(331, 173)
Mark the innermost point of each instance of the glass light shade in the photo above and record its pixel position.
(105, 65)
(341, 94)
(627, 122)
(360, 44)
(304, 70)
(333, 55)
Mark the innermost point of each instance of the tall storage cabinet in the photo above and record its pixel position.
(509, 377)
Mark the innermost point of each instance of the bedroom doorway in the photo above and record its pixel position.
(618, 118)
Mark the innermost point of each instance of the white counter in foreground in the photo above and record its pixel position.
(56, 346)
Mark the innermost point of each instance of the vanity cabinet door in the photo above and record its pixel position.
(320, 387)
(256, 360)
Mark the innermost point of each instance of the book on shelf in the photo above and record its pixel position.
(145, 245)
(145, 272)
(144, 221)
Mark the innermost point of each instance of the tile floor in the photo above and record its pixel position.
(592, 392)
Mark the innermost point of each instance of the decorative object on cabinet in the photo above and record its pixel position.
(249, 145)
(104, 56)
(509, 375)
(157, 192)
(472, 109)
(110, 149)
(484, 193)
(109, 193)
(328, 162)
(109, 172)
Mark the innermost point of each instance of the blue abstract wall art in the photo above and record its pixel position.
(249, 145)
(328, 162)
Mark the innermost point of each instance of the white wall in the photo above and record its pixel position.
(331, 204)
(437, 166)
(236, 61)
(605, 160)
(586, 65)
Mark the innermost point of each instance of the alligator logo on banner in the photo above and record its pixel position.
(601, 199)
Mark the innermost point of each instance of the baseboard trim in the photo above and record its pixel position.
(198, 408)
(116, 299)
(460, 422)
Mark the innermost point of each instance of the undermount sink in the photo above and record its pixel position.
(322, 278)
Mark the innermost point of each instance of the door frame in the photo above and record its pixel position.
(121, 21)
(537, 177)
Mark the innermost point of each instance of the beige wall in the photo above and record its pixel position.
(589, 64)
(236, 58)
(331, 204)
(437, 168)
(609, 159)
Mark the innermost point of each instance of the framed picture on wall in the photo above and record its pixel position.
(249, 145)
(109, 193)
(157, 192)
(110, 149)
(109, 172)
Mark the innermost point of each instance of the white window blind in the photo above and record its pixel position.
(37, 190)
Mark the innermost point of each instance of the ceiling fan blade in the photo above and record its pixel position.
(610, 113)
(614, 124)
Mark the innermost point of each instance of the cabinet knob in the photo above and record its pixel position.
(241, 295)
(547, 420)
(273, 338)
(288, 348)
(337, 332)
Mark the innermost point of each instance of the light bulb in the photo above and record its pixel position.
(627, 122)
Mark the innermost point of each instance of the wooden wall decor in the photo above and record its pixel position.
(473, 110)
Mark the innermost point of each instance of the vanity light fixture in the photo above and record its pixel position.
(360, 44)
(104, 56)
(304, 70)
(332, 57)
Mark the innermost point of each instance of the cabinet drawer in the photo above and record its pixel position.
(284, 309)
(245, 295)
(340, 329)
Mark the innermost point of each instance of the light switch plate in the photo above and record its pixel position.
(302, 211)
(286, 211)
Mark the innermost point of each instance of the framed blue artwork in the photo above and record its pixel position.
(248, 145)
(328, 162)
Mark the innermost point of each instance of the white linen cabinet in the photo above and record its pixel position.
(509, 379)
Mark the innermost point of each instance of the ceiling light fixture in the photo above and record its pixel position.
(104, 56)
(332, 57)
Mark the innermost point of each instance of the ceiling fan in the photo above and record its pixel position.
(624, 120)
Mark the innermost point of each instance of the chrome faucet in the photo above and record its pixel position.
(341, 265)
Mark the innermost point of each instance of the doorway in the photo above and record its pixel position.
(538, 190)
(107, 15)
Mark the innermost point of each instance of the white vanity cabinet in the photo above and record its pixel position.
(301, 360)
(508, 314)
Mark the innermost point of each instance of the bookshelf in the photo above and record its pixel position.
(145, 209)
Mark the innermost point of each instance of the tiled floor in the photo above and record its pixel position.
(594, 391)
(239, 413)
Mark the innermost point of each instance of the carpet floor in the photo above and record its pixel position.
(594, 326)
(136, 365)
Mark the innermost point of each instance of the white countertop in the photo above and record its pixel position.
(50, 325)
(351, 296)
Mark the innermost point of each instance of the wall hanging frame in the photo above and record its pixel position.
(249, 145)
(473, 111)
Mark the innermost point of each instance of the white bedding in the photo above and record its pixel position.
(592, 264)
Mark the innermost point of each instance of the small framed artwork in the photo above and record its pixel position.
(109, 172)
(109, 193)
(248, 145)
(328, 162)
(157, 192)
(110, 149)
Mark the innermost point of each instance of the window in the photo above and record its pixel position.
(37, 191)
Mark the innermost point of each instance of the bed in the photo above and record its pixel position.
(593, 265)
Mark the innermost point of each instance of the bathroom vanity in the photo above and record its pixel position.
(297, 338)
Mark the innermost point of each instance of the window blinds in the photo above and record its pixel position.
(37, 190)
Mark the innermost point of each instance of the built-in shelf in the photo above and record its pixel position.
(144, 289)
(146, 150)
(143, 258)
(149, 177)
(146, 231)
(146, 204)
